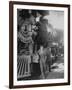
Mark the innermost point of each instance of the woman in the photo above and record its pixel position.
(42, 62)
(35, 65)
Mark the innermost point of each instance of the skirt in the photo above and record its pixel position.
(35, 69)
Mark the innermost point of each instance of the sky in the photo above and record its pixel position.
(56, 19)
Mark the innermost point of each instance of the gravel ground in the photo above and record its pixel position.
(57, 70)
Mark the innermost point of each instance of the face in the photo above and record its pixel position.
(26, 27)
(41, 49)
(32, 20)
